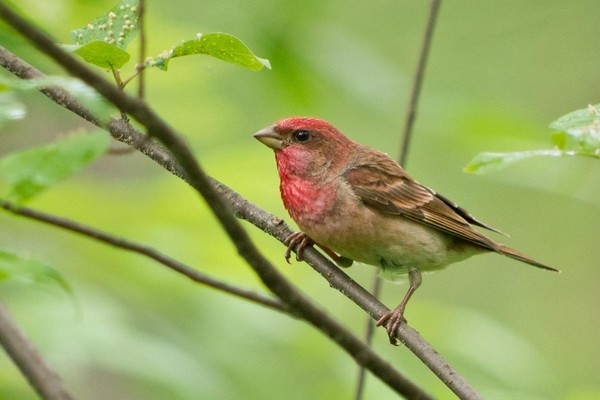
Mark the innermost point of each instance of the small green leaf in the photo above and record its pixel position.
(117, 27)
(31, 171)
(581, 130)
(560, 139)
(490, 162)
(579, 119)
(10, 108)
(220, 45)
(15, 267)
(103, 54)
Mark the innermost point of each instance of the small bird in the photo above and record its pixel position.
(357, 203)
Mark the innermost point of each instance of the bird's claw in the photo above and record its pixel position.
(299, 239)
(394, 319)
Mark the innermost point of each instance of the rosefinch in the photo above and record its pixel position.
(358, 202)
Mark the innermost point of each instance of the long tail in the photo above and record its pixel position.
(512, 253)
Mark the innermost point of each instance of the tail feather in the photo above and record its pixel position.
(512, 253)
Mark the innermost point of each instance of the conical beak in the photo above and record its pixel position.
(269, 137)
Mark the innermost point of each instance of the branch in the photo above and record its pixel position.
(418, 81)
(24, 354)
(147, 251)
(264, 221)
(299, 304)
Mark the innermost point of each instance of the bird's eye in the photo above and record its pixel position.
(301, 136)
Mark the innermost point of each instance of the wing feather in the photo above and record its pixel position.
(383, 185)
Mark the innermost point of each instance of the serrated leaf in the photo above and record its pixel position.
(220, 45)
(10, 108)
(118, 26)
(16, 267)
(31, 171)
(103, 54)
(490, 162)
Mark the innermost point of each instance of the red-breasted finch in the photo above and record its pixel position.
(358, 202)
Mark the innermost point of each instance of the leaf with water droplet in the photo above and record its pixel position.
(220, 45)
(103, 41)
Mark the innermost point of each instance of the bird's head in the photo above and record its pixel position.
(306, 147)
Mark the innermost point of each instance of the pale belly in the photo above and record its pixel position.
(392, 243)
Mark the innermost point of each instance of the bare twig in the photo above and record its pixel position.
(142, 53)
(21, 350)
(299, 304)
(418, 81)
(147, 251)
(404, 150)
(263, 220)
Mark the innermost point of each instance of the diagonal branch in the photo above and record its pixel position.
(46, 382)
(146, 251)
(299, 304)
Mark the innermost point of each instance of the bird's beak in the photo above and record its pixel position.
(269, 137)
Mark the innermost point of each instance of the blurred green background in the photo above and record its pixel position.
(498, 74)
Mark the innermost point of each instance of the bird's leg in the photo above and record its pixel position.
(395, 317)
(299, 239)
(340, 261)
(302, 240)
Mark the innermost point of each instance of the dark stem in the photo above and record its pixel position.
(146, 251)
(418, 82)
(44, 380)
(142, 53)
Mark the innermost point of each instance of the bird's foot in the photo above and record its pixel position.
(394, 319)
(299, 239)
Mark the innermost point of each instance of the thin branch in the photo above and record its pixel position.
(147, 251)
(404, 149)
(299, 304)
(418, 81)
(142, 53)
(263, 220)
(21, 350)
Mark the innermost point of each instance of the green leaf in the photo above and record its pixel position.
(580, 130)
(15, 267)
(31, 171)
(102, 54)
(103, 41)
(220, 45)
(10, 108)
(577, 120)
(490, 162)
(117, 27)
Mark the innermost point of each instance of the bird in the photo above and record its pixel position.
(358, 204)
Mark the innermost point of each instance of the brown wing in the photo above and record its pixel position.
(382, 184)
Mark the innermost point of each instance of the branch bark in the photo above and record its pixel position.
(179, 161)
(24, 354)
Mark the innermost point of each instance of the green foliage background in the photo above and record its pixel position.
(498, 74)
